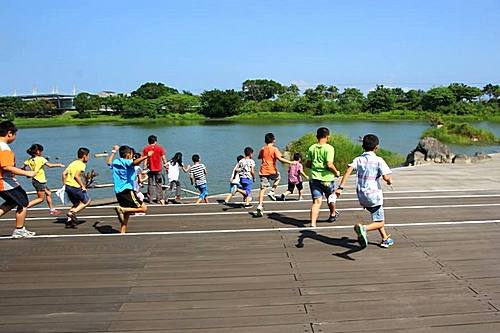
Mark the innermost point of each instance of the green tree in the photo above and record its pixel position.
(493, 91)
(351, 100)
(381, 99)
(138, 107)
(463, 92)
(9, 106)
(152, 90)
(85, 102)
(37, 108)
(413, 99)
(177, 103)
(438, 97)
(218, 104)
(259, 90)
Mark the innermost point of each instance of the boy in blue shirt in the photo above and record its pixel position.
(369, 169)
(124, 173)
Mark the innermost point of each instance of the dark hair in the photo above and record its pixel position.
(6, 127)
(297, 156)
(152, 139)
(247, 151)
(33, 149)
(195, 158)
(239, 158)
(322, 133)
(370, 142)
(82, 151)
(177, 159)
(137, 155)
(269, 138)
(124, 151)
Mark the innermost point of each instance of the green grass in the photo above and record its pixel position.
(461, 133)
(345, 150)
(70, 119)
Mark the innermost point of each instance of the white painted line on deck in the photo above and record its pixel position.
(289, 229)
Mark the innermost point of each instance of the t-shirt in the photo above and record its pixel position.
(71, 171)
(7, 158)
(198, 172)
(369, 168)
(173, 172)
(124, 174)
(36, 164)
(154, 161)
(268, 155)
(245, 166)
(319, 155)
(294, 171)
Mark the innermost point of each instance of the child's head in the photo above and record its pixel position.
(195, 158)
(35, 150)
(370, 142)
(248, 151)
(126, 152)
(152, 139)
(322, 133)
(239, 158)
(137, 155)
(83, 154)
(8, 130)
(177, 159)
(269, 138)
(297, 157)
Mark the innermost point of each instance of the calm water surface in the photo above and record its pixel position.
(218, 144)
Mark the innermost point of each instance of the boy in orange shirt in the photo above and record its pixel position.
(269, 175)
(10, 189)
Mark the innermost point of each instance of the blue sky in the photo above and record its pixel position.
(200, 45)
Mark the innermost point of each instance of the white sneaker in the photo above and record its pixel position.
(22, 233)
(260, 211)
(272, 196)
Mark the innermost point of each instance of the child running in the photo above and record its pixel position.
(10, 189)
(234, 181)
(319, 160)
(295, 174)
(74, 186)
(369, 169)
(174, 167)
(198, 175)
(124, 174)
(246, 168)
(269, 175)
(37, 163)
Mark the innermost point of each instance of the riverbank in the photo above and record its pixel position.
(70, 119)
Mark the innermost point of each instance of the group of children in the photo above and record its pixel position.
(127, 175)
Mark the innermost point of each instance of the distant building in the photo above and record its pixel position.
(107, 93)
(62, 102)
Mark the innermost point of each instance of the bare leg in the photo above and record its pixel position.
(48, 197)
(20, 216)
(315, 211)
(79, 207)
(331, 205)
(38, 200)
(378, 225)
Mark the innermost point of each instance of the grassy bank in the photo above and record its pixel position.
(463, 134)
(70, 119)
(345, 150)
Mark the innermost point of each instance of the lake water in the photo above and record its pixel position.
(218, 144)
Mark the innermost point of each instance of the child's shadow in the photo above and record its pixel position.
(287, 220)
(229, 205)
(64, 220)
(105, 229)
(345, 242)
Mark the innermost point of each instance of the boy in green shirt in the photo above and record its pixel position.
(323, 172)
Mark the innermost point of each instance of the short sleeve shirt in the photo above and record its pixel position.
(320, 155)
(199, 173)
(72, 170)
(155, 161)
(268, 155)
(369, 168)
(294, 173)
(124, 174)
(245, 166)
(7, 158)
(36, 164)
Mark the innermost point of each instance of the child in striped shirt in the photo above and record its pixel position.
(198, 176)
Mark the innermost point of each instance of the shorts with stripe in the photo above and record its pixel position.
(128, 198)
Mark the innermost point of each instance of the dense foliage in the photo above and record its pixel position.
(461, 133)
(267, 96)
(345, 150)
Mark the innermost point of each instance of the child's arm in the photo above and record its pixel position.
(388, 179)
(112, 155)
(346, 175)
(63, 177)
(79, 180)
(19, 172)
(252, 172)
(139, 160)
(54, 165)
(303, 174)
(281, 159)
(332, 167)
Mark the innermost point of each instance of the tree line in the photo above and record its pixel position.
(156, 99)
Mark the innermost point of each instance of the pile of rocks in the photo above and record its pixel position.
(431, 150)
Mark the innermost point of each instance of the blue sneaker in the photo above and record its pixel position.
(362, 236)
(387, 243)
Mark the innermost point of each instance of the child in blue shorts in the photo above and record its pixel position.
(234, 181)
(198, 175)
(246, 168)
(369, 169)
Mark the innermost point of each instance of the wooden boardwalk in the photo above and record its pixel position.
(211, 268)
